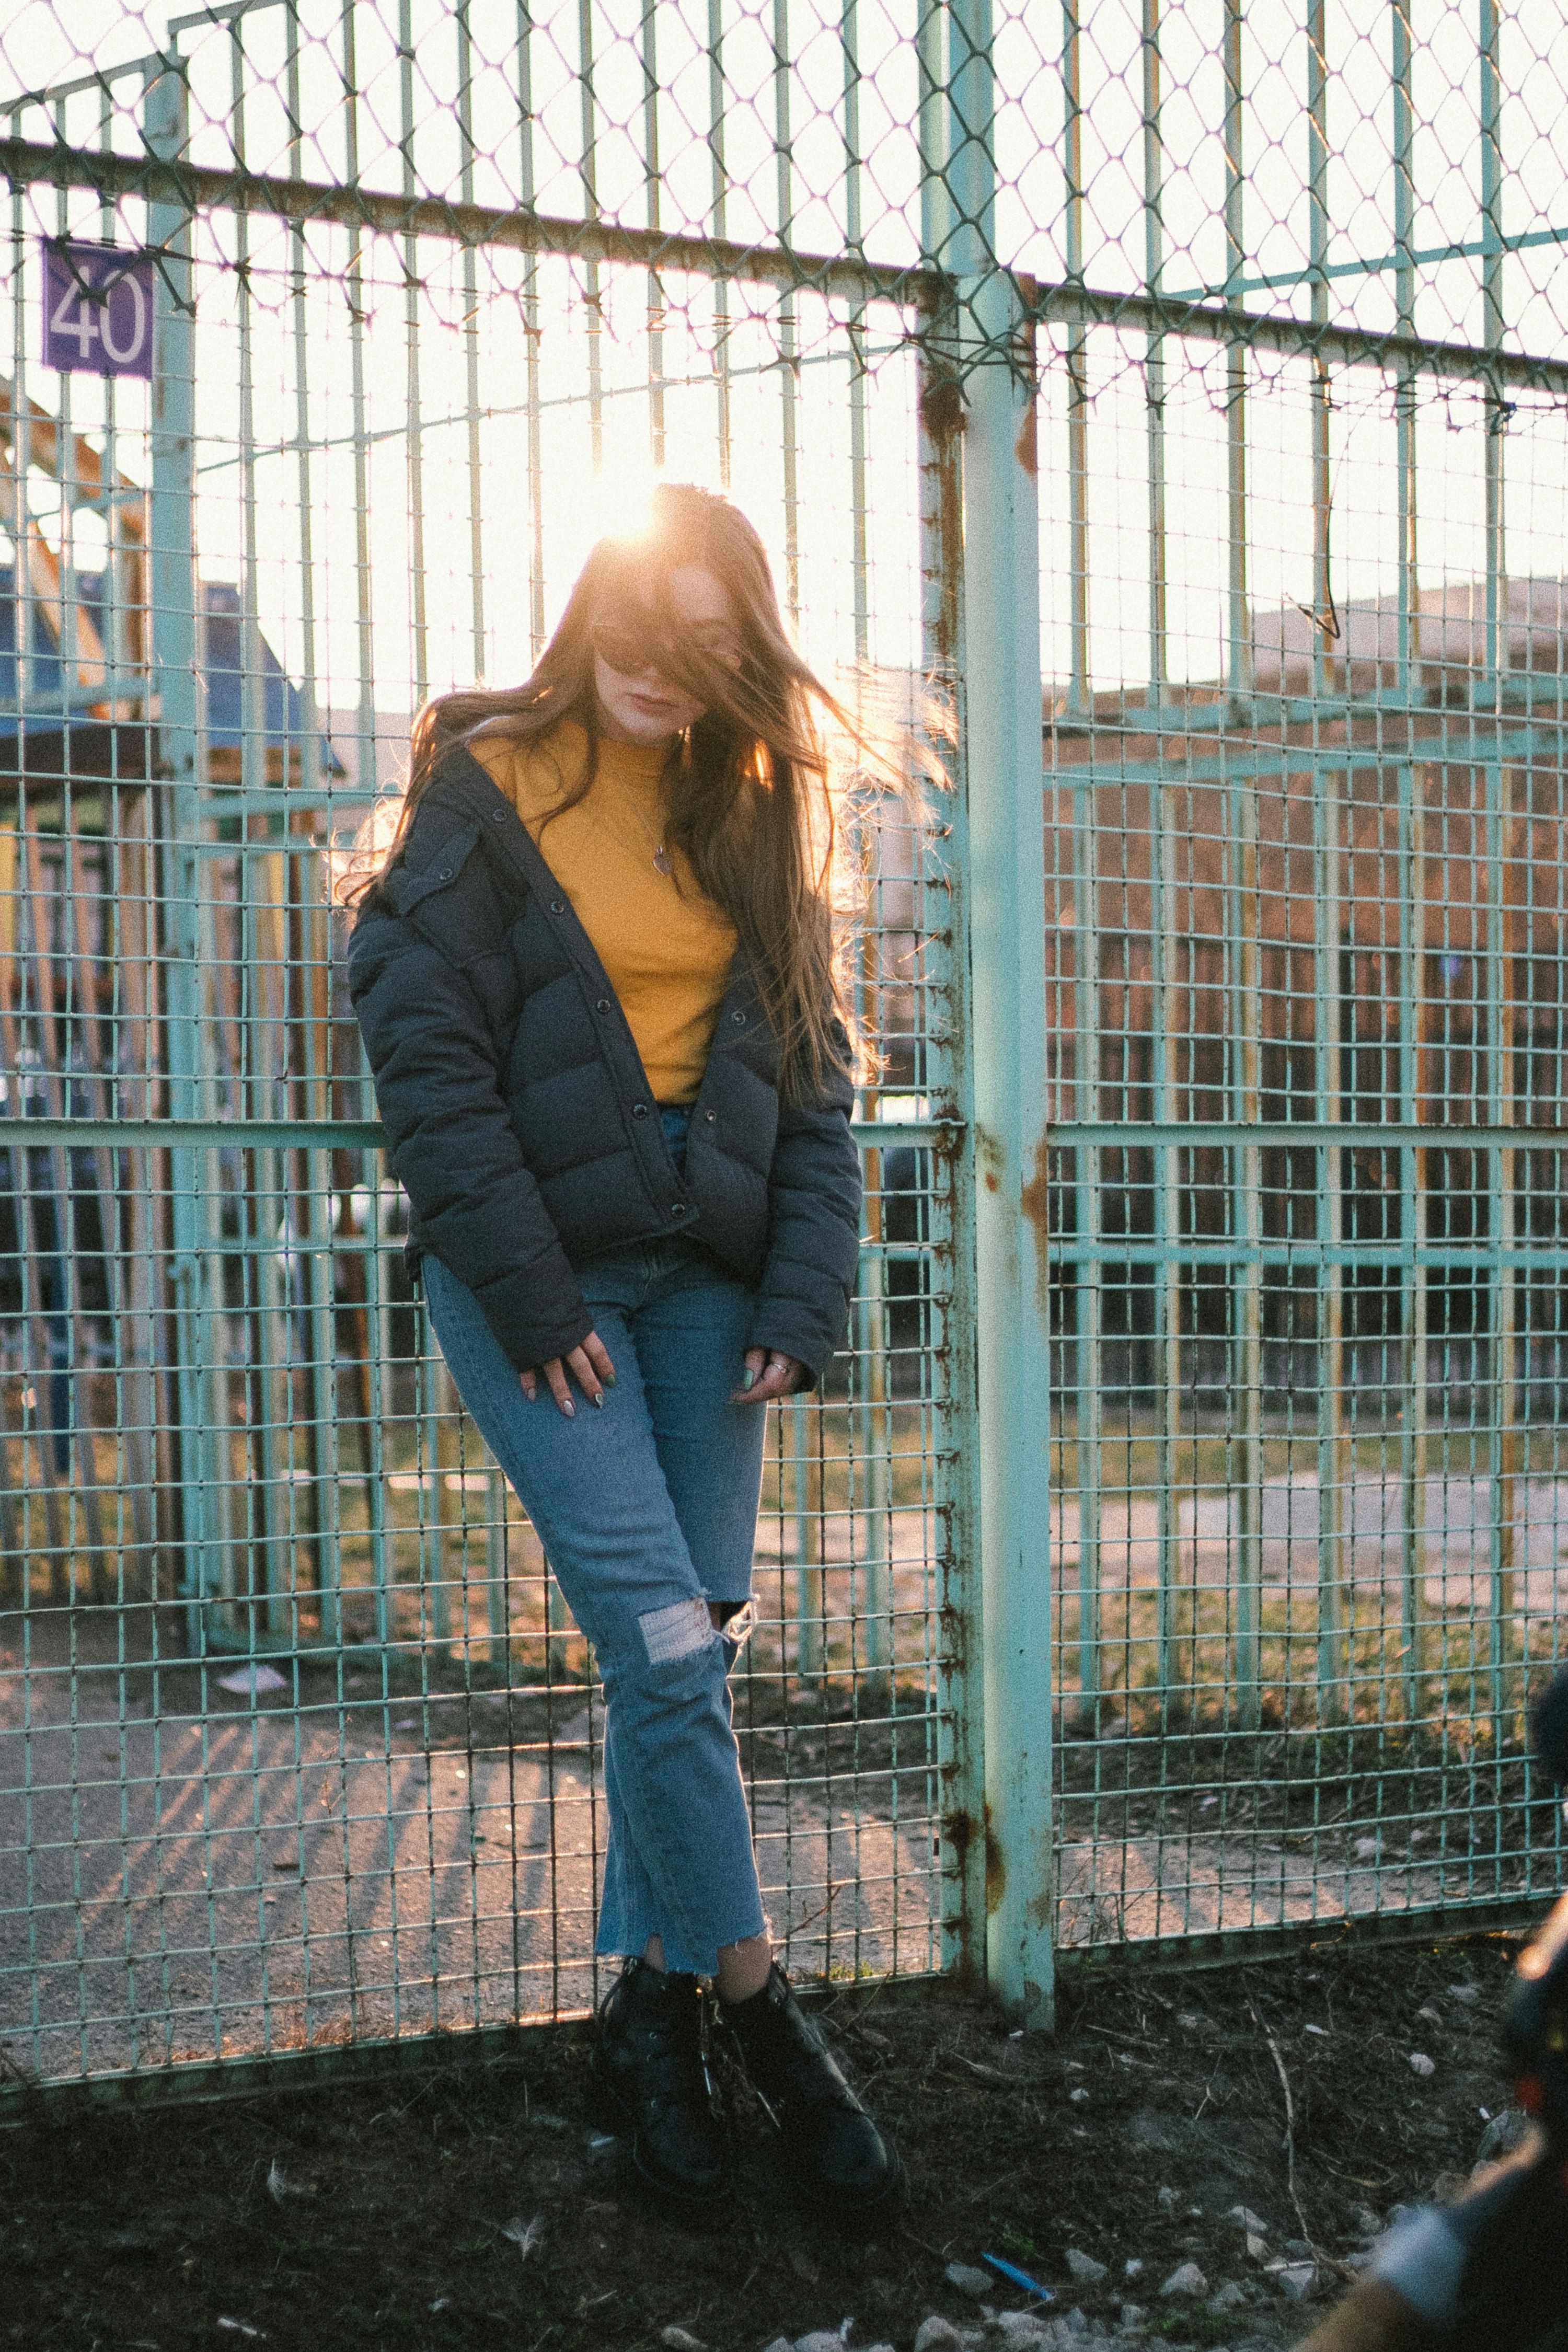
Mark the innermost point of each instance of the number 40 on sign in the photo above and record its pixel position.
(98, 308)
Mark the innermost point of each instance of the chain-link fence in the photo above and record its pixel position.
(1193, 380)
(1304, 911)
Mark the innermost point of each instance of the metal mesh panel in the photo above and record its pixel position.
(1305, 848)
(300, 1744)
(1231, 340)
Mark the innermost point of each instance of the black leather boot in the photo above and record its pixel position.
(650, 2066)
(838, 2152)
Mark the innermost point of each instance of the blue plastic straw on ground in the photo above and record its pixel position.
(1019, 2278)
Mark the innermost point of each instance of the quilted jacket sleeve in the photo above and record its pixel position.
(813, 1231)
(451, 1142)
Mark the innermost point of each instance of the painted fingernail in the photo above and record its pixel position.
(568, 1408)
(599, 1400)
(751, 1381)
(609, 1379)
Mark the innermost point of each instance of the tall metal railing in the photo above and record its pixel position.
(1172, 1554)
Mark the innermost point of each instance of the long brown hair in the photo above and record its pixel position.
(751, 799)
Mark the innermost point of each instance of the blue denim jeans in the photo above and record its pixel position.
(647, 1509)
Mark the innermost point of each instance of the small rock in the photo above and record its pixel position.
(968, 2280)
(1299, 2249)
(1502, 2135)
(1022, 2331)
(1432, 2016)
(1248, 2219)
(1073, 2323)
(678, 2340)
(1169, 2201)
(1257, 2248)
(1186, 2279)
(1464, 1992)
(779, 2344)
(1133, 2315)
(1228, 2297)
(934, 2334)
(1084, 2267)
(1133, 2266)
(1296, 2280)
(1421, 2064)
(1078, 2099)
(821, 2339)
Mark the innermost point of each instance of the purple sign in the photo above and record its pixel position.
(98, 308)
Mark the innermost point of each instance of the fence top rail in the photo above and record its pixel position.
(195, 187)
(1069, 303)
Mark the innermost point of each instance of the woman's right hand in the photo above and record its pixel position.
(589, 1365)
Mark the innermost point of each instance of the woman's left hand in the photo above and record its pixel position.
(773, 1375)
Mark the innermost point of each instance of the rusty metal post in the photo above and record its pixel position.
(1004, 805)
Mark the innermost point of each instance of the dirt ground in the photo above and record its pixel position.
(489, 2210)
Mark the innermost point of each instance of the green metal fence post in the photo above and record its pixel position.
(1412, 911)
(171, 593)
(949, 1076)
(1001, 734)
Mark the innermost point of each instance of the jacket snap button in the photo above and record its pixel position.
(558, 906)
(677, 1208)
(739, 1018)
(444, 875)
(710, 1116)
(498, 816)
(602, 1005)
(639, 1110)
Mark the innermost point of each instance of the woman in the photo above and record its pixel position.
(596, 979)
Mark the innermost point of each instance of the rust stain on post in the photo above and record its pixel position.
(942, 409)
(958, 1829)
(1027, 448)
(995, 1869)
(1034, 1202)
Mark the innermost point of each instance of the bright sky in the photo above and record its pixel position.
(451, 512)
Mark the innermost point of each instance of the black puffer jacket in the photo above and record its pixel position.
(520, 1118)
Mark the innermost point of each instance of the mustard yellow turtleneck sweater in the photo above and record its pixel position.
(667, 948)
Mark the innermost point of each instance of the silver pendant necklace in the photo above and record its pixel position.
(661, 858)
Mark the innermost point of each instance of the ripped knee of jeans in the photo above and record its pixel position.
(683, 1630)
